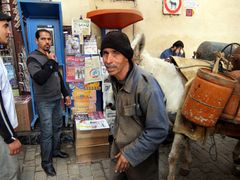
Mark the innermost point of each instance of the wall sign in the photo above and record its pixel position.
(189, 12)
(81, 26)
(172, 6)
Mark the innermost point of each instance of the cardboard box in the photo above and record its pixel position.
(23, 105)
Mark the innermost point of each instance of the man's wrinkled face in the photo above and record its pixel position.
(4, 32)
(115, 62)
(44, 42)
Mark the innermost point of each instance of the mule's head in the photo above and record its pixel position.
(138, 44)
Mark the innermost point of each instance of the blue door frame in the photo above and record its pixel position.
(36, 13)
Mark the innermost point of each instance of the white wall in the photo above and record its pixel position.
(215, 20)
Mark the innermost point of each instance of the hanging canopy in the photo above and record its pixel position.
(114, 18)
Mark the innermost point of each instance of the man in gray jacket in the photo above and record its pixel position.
(141, 122)
(48, 89)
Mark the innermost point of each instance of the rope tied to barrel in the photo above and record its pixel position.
(213, 149)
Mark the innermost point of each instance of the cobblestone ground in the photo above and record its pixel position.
(202, 168)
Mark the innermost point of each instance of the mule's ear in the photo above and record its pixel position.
(137, 46)
(142, 43)
(138, 43)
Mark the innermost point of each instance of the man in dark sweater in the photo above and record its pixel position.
(48, 89)
(175, 50)
(10, 146)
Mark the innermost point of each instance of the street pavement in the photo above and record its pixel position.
(203, 167)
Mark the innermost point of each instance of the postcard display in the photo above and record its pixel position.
(84, 76)
(16, 66)
(16, 69)
(6, 51)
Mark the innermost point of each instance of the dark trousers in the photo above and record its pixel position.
(50, 115)
(147, 170)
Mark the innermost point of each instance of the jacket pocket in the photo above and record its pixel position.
(129, 110)
(130, 126)
(134, 111)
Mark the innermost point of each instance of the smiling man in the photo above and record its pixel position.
(141, 123)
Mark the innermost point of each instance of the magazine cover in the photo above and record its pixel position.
(90, 121)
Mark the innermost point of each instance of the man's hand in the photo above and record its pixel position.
(51, 55)
(68, 100)
(15, 147)
(122, 163)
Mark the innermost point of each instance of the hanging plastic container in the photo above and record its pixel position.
(231, 107)
(207, 97)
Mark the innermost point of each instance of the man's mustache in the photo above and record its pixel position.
(110, 66)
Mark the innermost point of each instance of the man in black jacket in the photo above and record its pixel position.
(10, 146)
(48, 89)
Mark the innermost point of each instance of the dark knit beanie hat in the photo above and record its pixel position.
(119, 41)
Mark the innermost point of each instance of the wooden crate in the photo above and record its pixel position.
(23, 105)
(94, 149)
(92, 153)
(91, 137)
(91, 145)
(86, 158)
